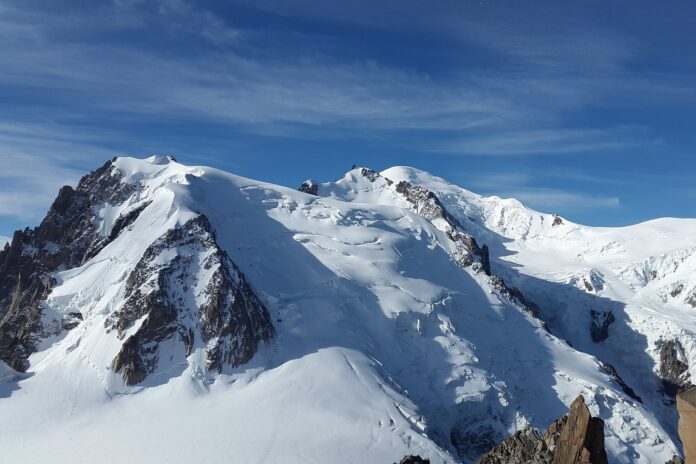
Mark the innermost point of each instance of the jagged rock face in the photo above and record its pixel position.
(674, 370)
(576, 438)
(373, 175)
(526, 446)
(466, 252)
(582, 437)
(599, 325)
(185, 286)
(686, 405)
(66, 237)
(426, 204)
(523, 446)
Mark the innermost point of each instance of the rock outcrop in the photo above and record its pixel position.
(686, 405)
(466, 251)
(674, 369)
(185, 288)
(414, 459)
(68, 235)
(310, 187)
(576, 438)
(599, 324)
(425, 203)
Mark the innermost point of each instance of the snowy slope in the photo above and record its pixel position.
(386, 342)
(645, 275)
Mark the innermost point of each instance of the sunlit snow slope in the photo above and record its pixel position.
(388, 339)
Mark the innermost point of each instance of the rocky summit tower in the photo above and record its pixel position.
(686, 404)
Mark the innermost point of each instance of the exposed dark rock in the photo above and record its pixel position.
(599, 325)
(575, 438)
(467, 252)
(675, 460)
(413, 459)
(514, 294)
(61, 241)
(691, 299)
(523, 446)
(372, 175)
(428, 205)
(611, 371)
(309, 186)
(557, 221)
(71, 320)
(677, 290)
(485, 260)
(673, 368)
(222, 312)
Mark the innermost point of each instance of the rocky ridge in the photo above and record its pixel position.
(184, 286)
(66, 238)
(576, 438)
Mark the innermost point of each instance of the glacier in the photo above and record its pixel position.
(395, 331)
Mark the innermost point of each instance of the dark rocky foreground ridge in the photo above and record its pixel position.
(224, 314)
(575, 438)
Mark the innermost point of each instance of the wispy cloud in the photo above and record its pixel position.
(251, 86)
(36, 160)
(550, 141)
(511, 87)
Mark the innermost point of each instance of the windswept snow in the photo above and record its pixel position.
(384, 347)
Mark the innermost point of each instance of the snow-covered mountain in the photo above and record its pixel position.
(165, 313)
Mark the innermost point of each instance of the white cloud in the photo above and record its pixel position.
(3, 241)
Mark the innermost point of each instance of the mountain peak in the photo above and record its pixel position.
(401, 312)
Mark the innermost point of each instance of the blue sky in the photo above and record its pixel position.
(585, 109)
